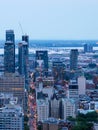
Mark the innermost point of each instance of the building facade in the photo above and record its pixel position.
(15, 84)
(23, 62)
(73, 91)
(42, 109)
(68, 108)
(82, 85)
(10, 36)
(11, 118)
(55, 107)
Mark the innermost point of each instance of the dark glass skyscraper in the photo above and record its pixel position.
(25, 38)
(9, 52)
(23, 62)
(10, 36)
(73, 59)
(23, 58)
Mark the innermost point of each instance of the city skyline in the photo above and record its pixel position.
(50, 19)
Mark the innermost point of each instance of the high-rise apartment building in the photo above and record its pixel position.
(73, 59)
(82, 85)
(9, 52)
(68, 108)
(42, 109)
(23, 62)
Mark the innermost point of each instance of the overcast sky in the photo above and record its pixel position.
(50, 19)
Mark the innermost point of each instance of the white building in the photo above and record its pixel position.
(82, 85)
(68, 108)
(11, 118)
(42, 109)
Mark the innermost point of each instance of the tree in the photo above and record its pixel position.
(85, 121)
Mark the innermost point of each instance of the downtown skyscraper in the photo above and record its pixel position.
(9, 52)
(23, 60)
(25, 38)
(23, 57)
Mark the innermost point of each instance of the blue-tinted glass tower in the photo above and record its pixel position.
(10, 36)
(25, 38)
(23, 57)
(23, 62)
(9, 52)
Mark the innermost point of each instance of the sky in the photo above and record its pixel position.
(50, 19)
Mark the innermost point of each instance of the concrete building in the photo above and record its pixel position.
(82, 85)
(11, 118)
(42, 109)
(68, 108)
(15, 84)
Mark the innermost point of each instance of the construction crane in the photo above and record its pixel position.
(21, 28)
